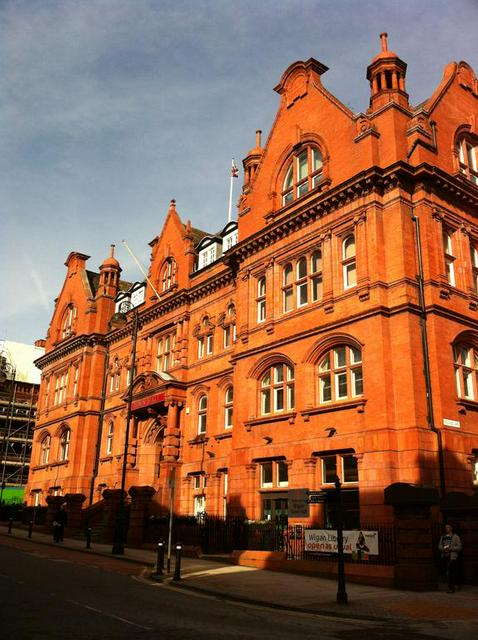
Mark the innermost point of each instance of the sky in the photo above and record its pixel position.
(110, 108)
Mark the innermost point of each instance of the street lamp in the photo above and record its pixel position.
(119, 535)
(7, 371)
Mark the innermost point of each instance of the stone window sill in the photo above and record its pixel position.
(273, 417)
(356, 403)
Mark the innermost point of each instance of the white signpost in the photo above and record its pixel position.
(359, 543)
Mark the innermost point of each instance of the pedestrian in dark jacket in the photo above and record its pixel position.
(450, 547)
(59, 524)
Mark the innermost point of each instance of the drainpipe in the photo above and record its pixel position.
(426, 356)
(100, 425)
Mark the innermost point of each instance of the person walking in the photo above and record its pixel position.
(450, 546)
(59, 524)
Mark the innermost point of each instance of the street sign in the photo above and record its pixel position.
(298, 506)
(318, 497)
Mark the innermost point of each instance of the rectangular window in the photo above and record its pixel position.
(282, 474)
(227, 336)
(288, 299)
(341, 385)
(266, 474)
(209, 344)
(350, 275)
(200, 347)
(266, 401)
(261, 310)
(301, 294)
(316, 288)
(357, 381)
(325, 389)
(329, 469)
(349, 469)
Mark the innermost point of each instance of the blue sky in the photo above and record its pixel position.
(109, 108)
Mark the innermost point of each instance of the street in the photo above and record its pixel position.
(52, 592)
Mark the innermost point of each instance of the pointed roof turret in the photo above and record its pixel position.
(252, 161)
(109, 275)
(386, 75)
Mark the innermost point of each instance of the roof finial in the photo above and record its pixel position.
(112, 251)
(172, 203)
(258, 137)
(383, 37)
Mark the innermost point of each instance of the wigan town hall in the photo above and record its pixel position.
(330, 332)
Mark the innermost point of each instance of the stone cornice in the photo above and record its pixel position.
(67, 349)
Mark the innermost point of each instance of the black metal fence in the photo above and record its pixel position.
(215, 534)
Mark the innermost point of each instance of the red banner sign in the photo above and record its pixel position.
(148, 402)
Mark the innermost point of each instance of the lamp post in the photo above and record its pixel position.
(341, 592)
(119, 535)
(7, 371)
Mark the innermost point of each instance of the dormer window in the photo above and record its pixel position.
(303, 174)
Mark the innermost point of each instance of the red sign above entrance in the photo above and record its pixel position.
(148, 402)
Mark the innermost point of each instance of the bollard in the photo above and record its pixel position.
(88, 538)
(160, 559)
(10, 523)
(30, 529)
(177, 565)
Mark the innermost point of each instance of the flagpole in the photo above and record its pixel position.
(233, 167)
(141, 269)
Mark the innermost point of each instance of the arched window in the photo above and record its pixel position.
(65, 444)
(466, 371)
(468, 159)
(349, 263)
(261, 299)
(169, 274)
(340, 374)
(45, 448)
(303, 174)
(277, 389)
(228, 407)
(449, 257)
(109, 439)
(68, 321)
(202, 414)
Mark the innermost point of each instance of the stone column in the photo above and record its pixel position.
(415, 568)
(171, 433)
(328, 272)
(74, 506)
(111, 499)
(141, 498)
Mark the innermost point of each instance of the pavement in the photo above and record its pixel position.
(216, 576)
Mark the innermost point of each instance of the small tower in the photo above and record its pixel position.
(386, 75)
(109, 276)
(252, 161)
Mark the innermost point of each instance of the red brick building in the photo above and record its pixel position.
(331, 331)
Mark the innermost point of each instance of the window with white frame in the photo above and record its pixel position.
(340, 374)
(201, 340)
(109, 438)
(36, 498)
(466, 371)
(302, 281)
(65, 444)
(169, 274)
(227, 336)
(45, 448)
(468, 158)
(303, 174)
(202, 414)
(277, 389)
(449, 257)
(339, 465)
(75, 381)
(474, 266)
(274, 473)
(349, 262)
(61, 385)
(209, 344)
(164, 354)
(261, 299)
(68, 320)
(228, 407)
